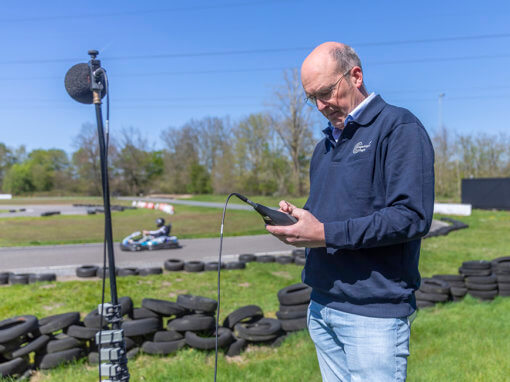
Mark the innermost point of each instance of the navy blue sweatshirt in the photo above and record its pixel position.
(374, 192)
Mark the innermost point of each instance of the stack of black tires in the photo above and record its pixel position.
(249, 325)
(25, 278)
(158, 327)
(480, 281)
(299, 256)
(18, 336)
(176, 265)
(432, 291)
(501, 268)
(197, 324)
(193, 266)
(457, 285)
(53, 340)
(87, 271)
(294, 301)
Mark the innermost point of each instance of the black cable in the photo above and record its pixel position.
(104, 184)
(218, 288)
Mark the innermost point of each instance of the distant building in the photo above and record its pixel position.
(487, 193)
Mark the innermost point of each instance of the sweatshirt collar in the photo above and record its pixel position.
(363, 114)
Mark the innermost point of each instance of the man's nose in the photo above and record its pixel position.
(321, 105)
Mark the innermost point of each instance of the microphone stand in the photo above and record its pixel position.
(115, 350)
(106, 202)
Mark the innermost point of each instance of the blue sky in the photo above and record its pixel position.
(169, 62)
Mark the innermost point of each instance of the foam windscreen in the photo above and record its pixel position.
(77, 83)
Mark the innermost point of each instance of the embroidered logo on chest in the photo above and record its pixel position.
(360, 147)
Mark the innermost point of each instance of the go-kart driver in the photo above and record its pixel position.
(163, 230)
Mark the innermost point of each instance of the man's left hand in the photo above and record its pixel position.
(307, 232)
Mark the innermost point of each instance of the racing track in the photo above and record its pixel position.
(63, 259)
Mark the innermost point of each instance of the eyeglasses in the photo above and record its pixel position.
(326, 94)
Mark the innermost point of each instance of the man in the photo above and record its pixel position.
(371, 200)
(163, 230)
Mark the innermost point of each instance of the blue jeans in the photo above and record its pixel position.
(357, 348)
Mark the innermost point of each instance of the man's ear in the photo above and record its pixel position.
(357, 77)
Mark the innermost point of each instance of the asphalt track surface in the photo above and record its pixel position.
(63, 259)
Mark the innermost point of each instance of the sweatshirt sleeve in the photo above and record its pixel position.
(408, 176)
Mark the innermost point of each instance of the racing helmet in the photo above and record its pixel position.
(160, 222)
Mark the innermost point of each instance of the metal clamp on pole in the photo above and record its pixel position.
(115, 372)
(110, 312)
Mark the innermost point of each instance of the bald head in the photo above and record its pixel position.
(329, 58)
(332, 79)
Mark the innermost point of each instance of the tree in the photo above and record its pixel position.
(292, 120)
(215, 152)
(18, 179)
(180, 155)
(86, 160)
(42, 171)
(445, 164)
(200, 180)
(134, 162)
(256, 151)
(7, 159)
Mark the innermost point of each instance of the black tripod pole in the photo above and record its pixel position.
(106, 201)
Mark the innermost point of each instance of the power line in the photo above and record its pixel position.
(437, 59)
(123, 106)
(136, 12)
(445, 89)
(255, 51)
(248, 70)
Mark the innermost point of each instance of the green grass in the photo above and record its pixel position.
(56, 200)
(257, 284)
(271, 201)
(465, 341)
(187, 222)
(462, 341)
(487, 237)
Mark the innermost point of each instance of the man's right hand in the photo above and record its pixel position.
(307, 232)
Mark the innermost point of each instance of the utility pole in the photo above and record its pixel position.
(440, 110)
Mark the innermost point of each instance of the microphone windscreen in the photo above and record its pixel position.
(77, 83)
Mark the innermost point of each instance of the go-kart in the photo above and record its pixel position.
(137, 241)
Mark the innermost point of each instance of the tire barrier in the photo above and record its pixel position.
(163, 327)
(213, 266)
(177, 265)
(294, 301)
(454, 226)
(247, 257)
(87, 271)
(481, 279)
(127, 272)
(50, 213)
(30, 343)
(26, 278)
(174, 265)
(100, 208)
(38, 277)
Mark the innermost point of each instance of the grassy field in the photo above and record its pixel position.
(271, 201)
(187, 222)
(55, 200)
(464, 341)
